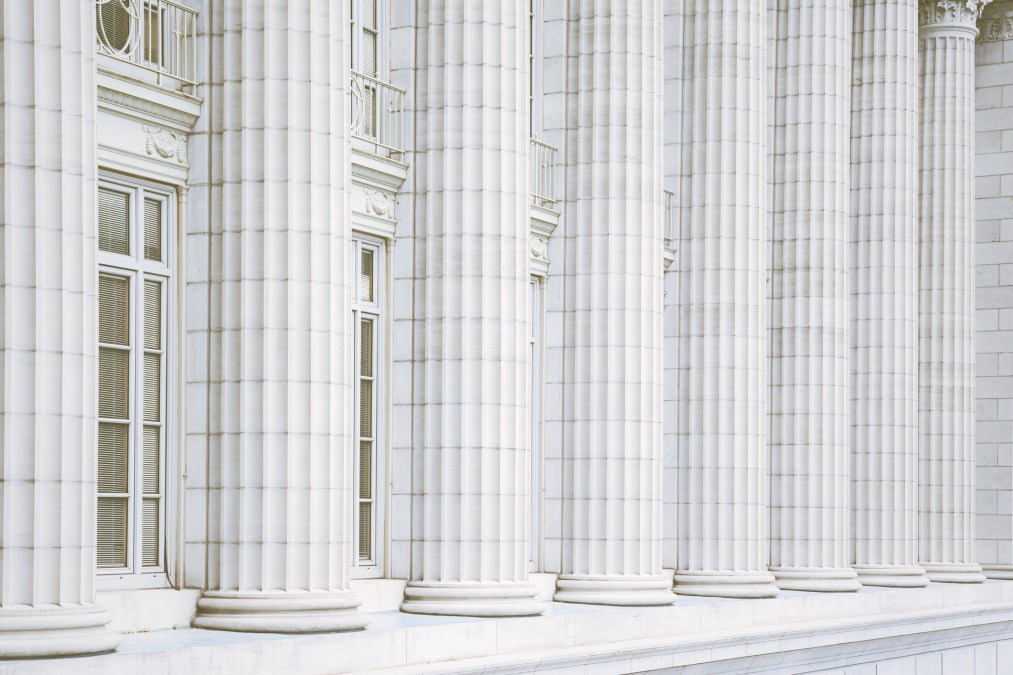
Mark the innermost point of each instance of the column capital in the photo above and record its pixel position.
(996, 22)
(951, 13)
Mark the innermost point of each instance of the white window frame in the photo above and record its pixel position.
(382, 33)
(536, 18)
(536, 343)
(377, 311)
(135, 267)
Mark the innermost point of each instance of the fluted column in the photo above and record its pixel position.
(612, 298)
(946, 499)
(48, 334)
(884, 292)
(723, 344)
(471, 436)
(810, 537)
(280, 519)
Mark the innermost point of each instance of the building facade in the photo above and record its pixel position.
(566, 335)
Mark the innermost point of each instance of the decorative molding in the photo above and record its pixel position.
(164, 144)
(539, 248)
(995, 29)
(951, 11)
(380, 203)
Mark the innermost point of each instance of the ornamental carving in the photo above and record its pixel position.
(951, 11)
(165, 144)
(540, 248)
(995, 30)
(380, 203)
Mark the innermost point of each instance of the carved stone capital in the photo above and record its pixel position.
(995, 29)
(959, 12)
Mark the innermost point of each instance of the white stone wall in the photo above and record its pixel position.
(994, 295)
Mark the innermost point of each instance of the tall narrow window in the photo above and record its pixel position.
(366, 57)
(368, 316)
(535, 68)
(133, 299)
(536, 379)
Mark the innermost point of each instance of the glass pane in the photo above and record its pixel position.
(113, 309)
(366, 348)
(152, 315)
(152, 53)
(112, 23)
(152, 229)
(365, 532)
(113, 453)
(365, 470)
(113, 382)
(112, 532)
(113, 220)
(366, 288)
(369, 13)
(365, 408)
(152, 388)
(149, 533)
(152, 441)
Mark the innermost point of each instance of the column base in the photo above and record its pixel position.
(954, 573)
(621, 590)
(279, 611)
(471, 599)
(33, 632)
(894, 576)
(730, 584)
(816, 579)
(998, 572)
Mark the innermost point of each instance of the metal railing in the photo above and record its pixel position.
(160, 36)
(378, 115)
(543, 174)
(671, 232)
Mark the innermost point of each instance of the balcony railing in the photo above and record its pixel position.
(378, 115)
(543, 174)
(160, 36)
(671, 233)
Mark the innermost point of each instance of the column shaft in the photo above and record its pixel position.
(280, 521)
(723, 343)
(946, 499)
(884, 292)
(810, 535)
(612, 317)
(471, 434)
(48, 333)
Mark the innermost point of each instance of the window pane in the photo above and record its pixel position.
(365, 470)
(366, 408)
(113, 452)
(149, 533)
(113, 382)
(112, 24)
(366, 348)
(365, 531)
(112, 532)
(152, 388)
(369, 13)
(367, 279)
(113, 309)
(152, 41)
(152, 315)
(113, 220)
(152, 438)
(152, 229)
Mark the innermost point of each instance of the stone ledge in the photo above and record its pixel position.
(758, 635)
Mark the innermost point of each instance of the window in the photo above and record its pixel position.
(368, 314)
(366, 46)
(536, 379)
(134, 291)
(534, 68)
